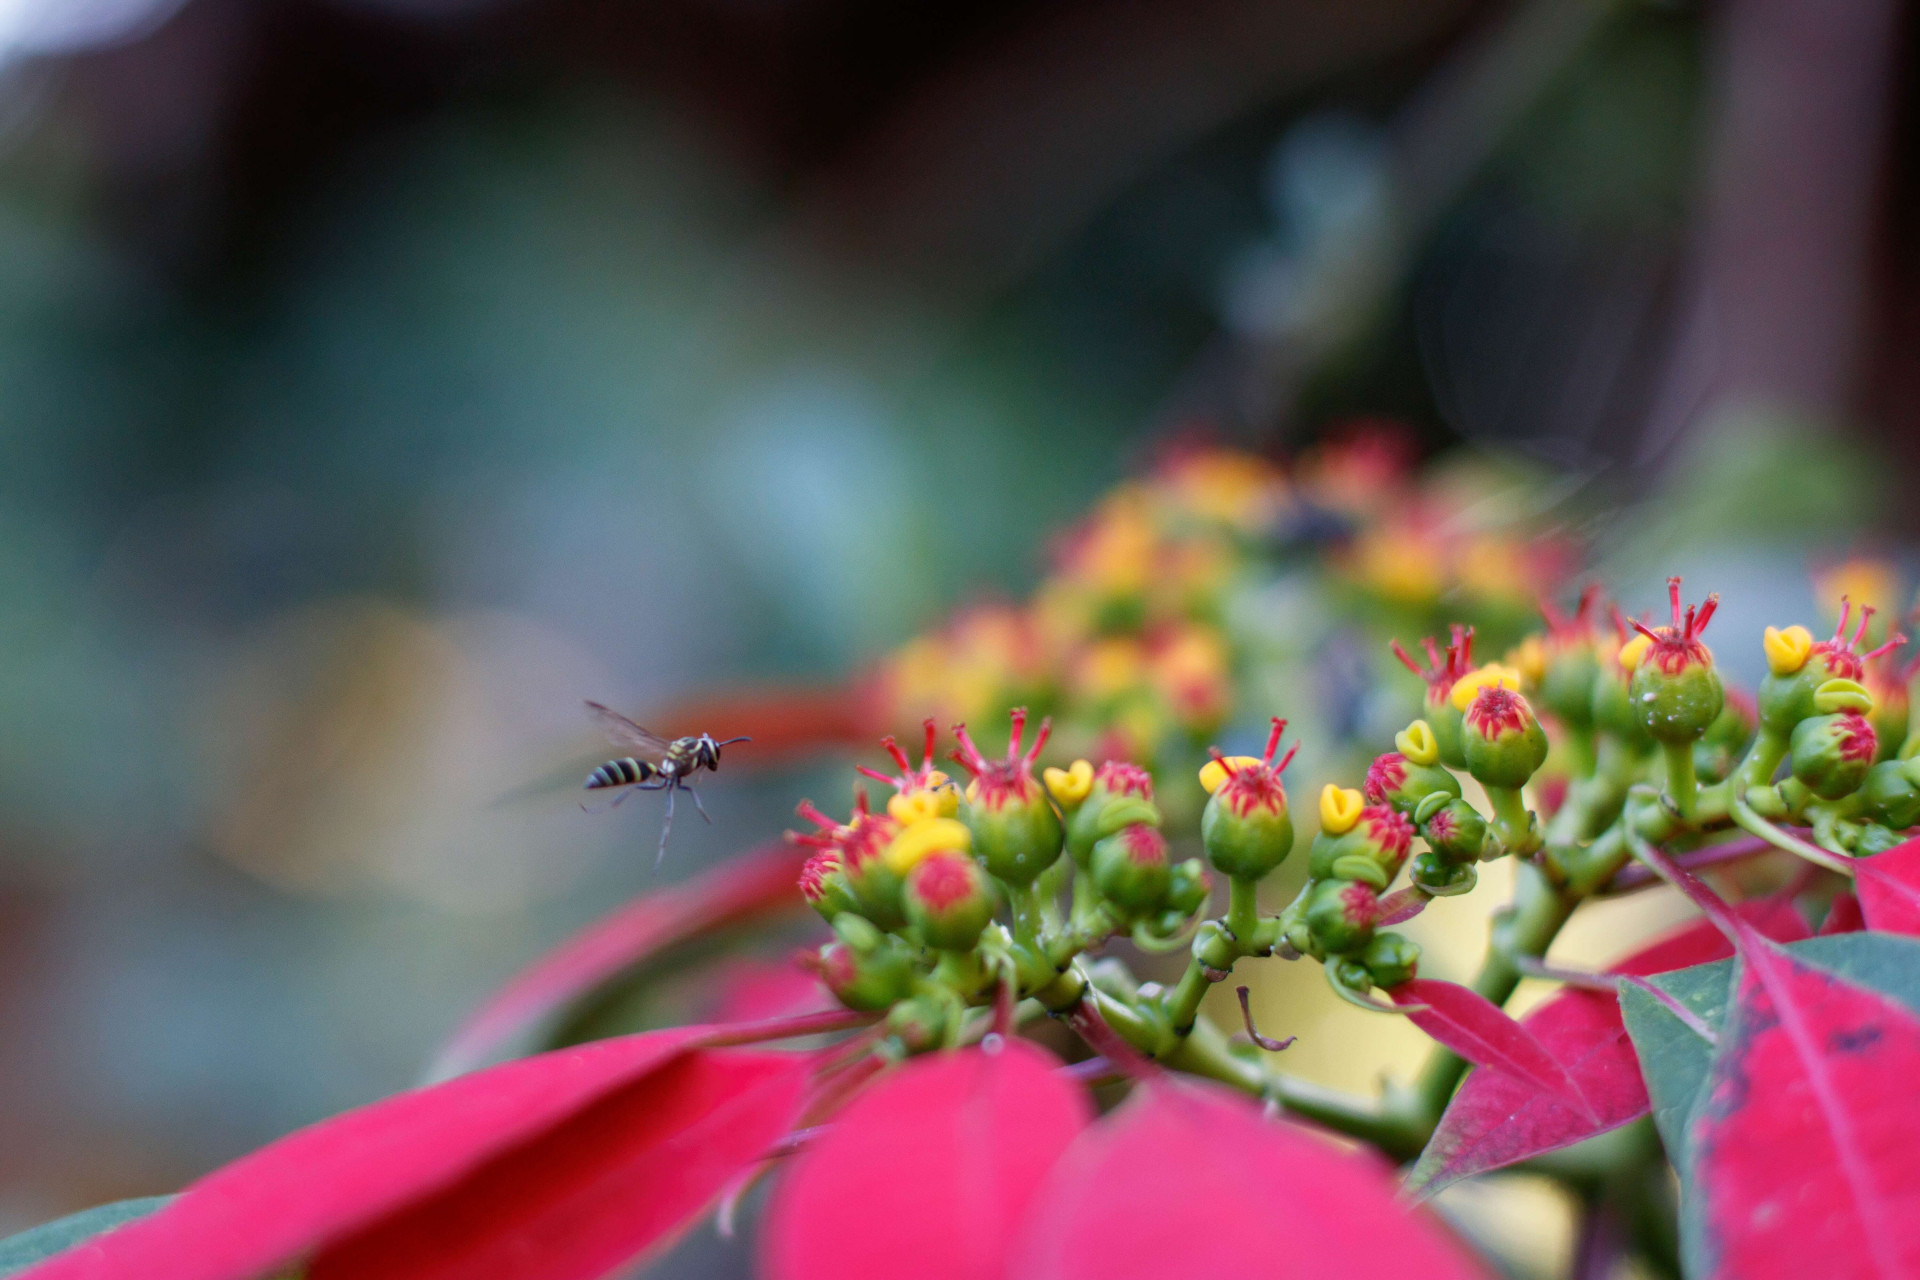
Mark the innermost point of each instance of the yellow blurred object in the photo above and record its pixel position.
(1417, 743)
(1069, 786)
(1633, 651)
(1214, 772)
(1863, 580)
(1786, 650)
(1494, 673)
(909, 807)
(916, 842)
(1529, 658)
(1339, 808)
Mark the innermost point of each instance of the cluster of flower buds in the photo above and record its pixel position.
(1655, 743)
(912, 892)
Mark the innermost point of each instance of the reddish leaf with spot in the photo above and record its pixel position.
(928, 1172)
(754, 885)
(1889, 888)
(1186, 1179)
(561, 1166)
(1475, 1028)
(1806, 1148)
(1496, 1120)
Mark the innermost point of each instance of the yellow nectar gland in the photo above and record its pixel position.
(1787, 650)
(1633, 651)
(921, 839)
(938, 801)
(1069, 786)
(1339, 809)
(1215, 772)
(1417, 743)
(1842, 695)
(1470, 684)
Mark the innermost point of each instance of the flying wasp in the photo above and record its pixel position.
(664, 765)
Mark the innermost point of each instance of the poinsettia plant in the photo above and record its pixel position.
(965, 1078)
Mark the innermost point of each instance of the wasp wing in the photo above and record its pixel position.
(625, 733)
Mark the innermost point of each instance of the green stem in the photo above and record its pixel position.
(1243, 911)
(1512, 821)
(1683, 784)
(1744, 815)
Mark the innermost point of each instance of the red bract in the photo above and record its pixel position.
(1844, 916)
(1496, 1120)
(1188, 1180)
(759, 883)
(1889, 889)
(563, 1166)
(1806, 1153)
(928, 1173)
(1475, 1028)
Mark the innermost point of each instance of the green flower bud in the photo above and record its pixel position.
(1392, 779)
(1120, 794)
(1456, 832)
(851, 864)
(1832, 754)
(1797, 668)
(1341, 914)
(1887, 682)
(919, 1024)
(1571, 662)
(1434, 875)
(1891, 794)
(948, 900)
(1372, 849)
(1720, 748)
(1875, 838)
(1504, 743)
(870, 980)
(1440, 673)
(1391, 960)
(1675, 690)
(1246, 827)
(1613, 710)
(1189, 887)
(1016, 833)
(1131, 868)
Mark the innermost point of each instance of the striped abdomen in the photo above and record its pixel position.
(623, 772)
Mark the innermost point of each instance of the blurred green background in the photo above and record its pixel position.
(379, 378)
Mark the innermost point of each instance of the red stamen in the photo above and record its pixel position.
(1707, 610)
(1406, 659)
(1286, 759)
(1673, 598)
(1893, 642)
(1019, 718)
(875, 774)
(1040, 739)
(892, 748)
(1846, 611)
(966, 753)
(1273, 741)
(1866, 616)
(926, 758)
(807, 810)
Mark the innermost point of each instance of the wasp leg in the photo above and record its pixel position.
(638, 786)
(696, 803)
(665, 827)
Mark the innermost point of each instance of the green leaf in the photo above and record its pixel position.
(1673, 1058)
(35, 1244)
(1887, 962)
